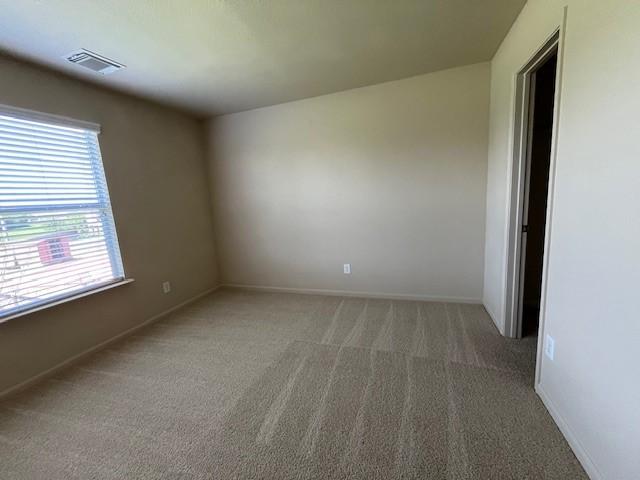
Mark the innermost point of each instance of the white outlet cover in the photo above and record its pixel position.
(166, 287)
(549, 347)
(347, 268)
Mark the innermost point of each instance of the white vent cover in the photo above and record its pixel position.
(93, 61)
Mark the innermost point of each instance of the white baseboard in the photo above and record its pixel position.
(574, 443)
(66, 363)
(350, 293)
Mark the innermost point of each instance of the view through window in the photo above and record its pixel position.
(57, 234)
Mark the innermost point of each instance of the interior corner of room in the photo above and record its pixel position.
(317, 237)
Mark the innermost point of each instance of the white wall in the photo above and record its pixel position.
(390, 178)
(593, 385)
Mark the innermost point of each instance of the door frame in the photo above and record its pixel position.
(518, 201)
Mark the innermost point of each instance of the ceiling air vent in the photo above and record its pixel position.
(93, 61)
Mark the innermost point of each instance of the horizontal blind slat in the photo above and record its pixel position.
(40, 126)
(17, 222)
(21, 134)
(24, 177)
(39, 144)
(61, 274)
(27, 254)
(21, 159)
(19, 152)
(42, 166)
(13, 129)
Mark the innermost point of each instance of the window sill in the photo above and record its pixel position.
(70, 298)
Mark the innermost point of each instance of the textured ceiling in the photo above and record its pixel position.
(220, 56)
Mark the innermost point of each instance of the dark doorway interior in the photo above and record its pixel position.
(543, 82)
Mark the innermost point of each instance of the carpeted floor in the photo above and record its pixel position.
(245, 385)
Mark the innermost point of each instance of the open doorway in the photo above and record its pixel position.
(532, 167)
(534, 215)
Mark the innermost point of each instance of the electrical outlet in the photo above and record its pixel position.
(166, 287)
(347, 268)
(549, 347)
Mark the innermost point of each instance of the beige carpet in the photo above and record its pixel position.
(246, 385)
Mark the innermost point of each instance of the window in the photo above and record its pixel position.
(57, 235)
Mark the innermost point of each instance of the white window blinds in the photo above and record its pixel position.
(57, 235)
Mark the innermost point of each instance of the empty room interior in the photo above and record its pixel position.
(320, 239)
